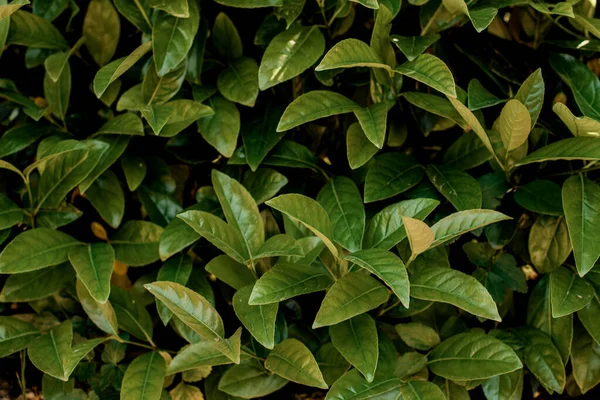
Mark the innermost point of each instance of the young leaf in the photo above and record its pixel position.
(94, 266)
(356, 340)
(350, 53)
(292, 360)
(431, 71)
(461, 189)
(462, 222)
(418, 336)
(258, 319)
(549, 244)
(414, 46)
(514, 124)
(531, 95)
(144, 377)
(388, 267)
(579, 195)
(290, 53)
(453, 287)
(472, 355)
(420, 236)
(579, 126)
(343, 203)
(351, 295)
(391, 174)
(578, 148)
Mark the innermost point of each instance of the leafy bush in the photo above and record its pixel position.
(281, 198)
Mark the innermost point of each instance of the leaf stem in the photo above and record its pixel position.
(433, 17)
(121, 340)
(21, 379)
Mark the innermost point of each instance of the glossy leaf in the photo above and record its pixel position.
(101, 29)
(392, 174)
(351, 53)
(94, 266)
(414, 46)
(549, 244)
(239, 82)
(431, 71)
(462, 190)
(221, 129)
(144, 377)
(15, 335)
(356, 340)
(258, 319)
(292, 360)
(569, 292)
(540, 196)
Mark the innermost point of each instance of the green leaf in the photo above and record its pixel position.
(307, 212)
(479, 97)
(136, 12)
(351, 295)
(446, 285)
(352, 386)
(177, 269)
(422, 390)
(579, 126)
(36, 249)
(418, 336)
(540, 196)
(391, 174)
(472, 355)
(114, 147)
(331, 363)
(549, 244)
(230, 271)
(314, 105)
(466, 152)
(197, 313)
(578, 148)
(437, 105)
(101, 30)
(356, 340)
(201, 354)
(386, 228)
(350, 53)
(172, 38)
(226, 38)
(101, 314)
(29, 30)
(240, 211)
(291, 154)
(263, 184)
(582, 81)
(579, 195)
(169, 119)
(221, 129)
(290, 53)
(7, 9)
(239, 81)
(218, 232)
(292, 360)
(343, 203)
(462, 222)
(260, 136)
(20, 137)
(15, 335)
(111, 72)
(106, 196)
(531, 95)
(373, 121)
(514, 124)
(94, 266)
(386, 266)
(290, 11)
(278, 246)
(584, 360)
(134, 169)
(136, 243)
(36, 285)
(124, 124)
(131, 313)
(462, 190)
(160, 89)
(54, 354)
(251, 3)
(539, 316)
(58, 92)
(10, 213)
(144, 377)
(258, 319)
(359, 148)
(287, 280)
(414, 46)
(250, 380)
(504, 387)
(569, 292)
(431, 71)
(177, 8)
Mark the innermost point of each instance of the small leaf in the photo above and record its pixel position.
(431, 71)
(373, 121)
(36, 285)
(350, 53)
(531, 95)
(540, 196)
(514, 124)
(359, 148)
(356, 340)
(239, 81)
(101, 314)
(196, 355)
(292, 360)
(101, 29)
(144, 377)
(177, 8)
(479, 97)
(16, 335)
(231, 272)
(250, 379)
(549, 244)
(418, 336)
(221, 129)
(420, 236)
(94, 266)
(136, 243)
(579, 126)
(27, 29)
(414, 46)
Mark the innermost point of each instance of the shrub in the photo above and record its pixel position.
(287, 198)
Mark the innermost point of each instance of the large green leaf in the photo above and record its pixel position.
(356, 340)
(197, 313)
(359, 148)
(101, 30)
(136, 243)
(439, 106)
(472, 355)
(462, 222)
(172, 38)
(453, 287)
(131, 313)
(36, 249)
(107, 197)
(115, 146)
(201, 354)
(386, 266)
(353, 294)
(460, 188)
(144, 377)
(466, 152)
(226, 38)
(579, 196)
(431, 71)
(352, 386)
(177, 8)
(36, 285)
(230, 271)
(10, 213)
(531, 95)
(540, 196)
(582, 81)
(585, 360)
(504, 387)
(258, 319)
(314, 105)
(289, 54)
(29, 30)
(307, 212)
(549, 244)
(332, 364)
(391, 174)
(239, 81)
(260, 136)
(221, 129)
(350, 53)
(160, 89)
(136, 12)
(569, 292)
(578, 148)
(94, 266)
(101, 314)
(176, 269)
(418, 336)
(15, 335)
(422, 390)
(479, 97)
(286, 280)
(263, 184)
(343, 203)
(292, 360)
(58, 92)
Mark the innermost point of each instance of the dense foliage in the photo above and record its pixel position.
(295, 198)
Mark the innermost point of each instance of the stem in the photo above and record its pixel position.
(564, 28)
(426, 28)
(120, 340)
(334, 16)
(139, 6)
(252, 355)
(386, 309)
(22, 382)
